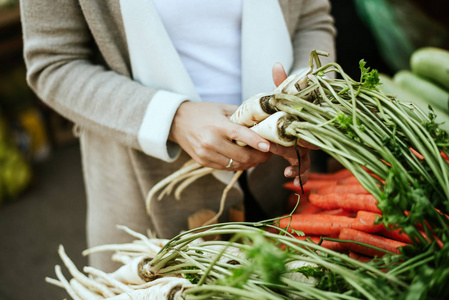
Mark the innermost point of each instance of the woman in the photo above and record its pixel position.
(151, 84)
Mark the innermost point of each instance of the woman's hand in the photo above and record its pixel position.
(297, 168)
(204, 131)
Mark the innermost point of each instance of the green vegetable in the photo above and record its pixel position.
(15, 172)
(389, 87)
(369, 79)
(431, 93)
(433, 64)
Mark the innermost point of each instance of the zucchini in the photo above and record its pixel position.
(389, 87)
(433, 64)
(429, 92)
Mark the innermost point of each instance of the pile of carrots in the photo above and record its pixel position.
(336, 205)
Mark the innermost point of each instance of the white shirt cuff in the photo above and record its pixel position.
(156, 124)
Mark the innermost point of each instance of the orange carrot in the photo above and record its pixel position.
(312, 209)
(365, 221)
(446, 158)
(396, 234)
(336, 246)
(337, 212)
(351, 202)
(359, 257)
(343, 173)
(369, 239)
(353, 188)
(348, 180)
(399, 235)
(317, 224)
(309, 185)
(417, 154)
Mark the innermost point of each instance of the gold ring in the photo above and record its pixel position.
(230, 163)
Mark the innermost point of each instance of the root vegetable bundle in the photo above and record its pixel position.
(394, 155)
(253, 264)
(394, 149)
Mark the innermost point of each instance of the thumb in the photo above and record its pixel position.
(278, 73)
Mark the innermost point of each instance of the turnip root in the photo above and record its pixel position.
(86, 281)
(84, 292)
(137, 271)
(273, 129)
(295, 83)
(298, 276)
(109, 279)
(254, 110)
(166, 290)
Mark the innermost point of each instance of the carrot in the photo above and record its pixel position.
(312, 209)
(446, 158)
(359, 257)
(399, 235)
(309, 185)
(337, 212)
(416, 153)
(396, 234)
(351, 202)
(343, 173)
(348, 180)
(316, 224)
(366, 221)
(349, 234)
(353, 188)
(336, 246)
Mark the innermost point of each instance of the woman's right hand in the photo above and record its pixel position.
(204, 131)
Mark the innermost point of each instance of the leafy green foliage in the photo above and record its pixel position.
(193, 278)
(267, 260)
(369, 79)
(345, 123)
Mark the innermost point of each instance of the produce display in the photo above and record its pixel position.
(425, 83)
(378, 229)
(15, 171)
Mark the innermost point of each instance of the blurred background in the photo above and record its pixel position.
(42, 200)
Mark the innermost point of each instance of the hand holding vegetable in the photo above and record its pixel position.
(204, 131)
(297, 168)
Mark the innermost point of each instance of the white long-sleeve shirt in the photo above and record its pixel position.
(207, 37)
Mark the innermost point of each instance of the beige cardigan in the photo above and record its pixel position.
(78, 63)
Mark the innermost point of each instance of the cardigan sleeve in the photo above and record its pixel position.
(60, 51)
(314, 30)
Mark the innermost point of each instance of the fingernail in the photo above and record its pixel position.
(263, 147)
(288, 173)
